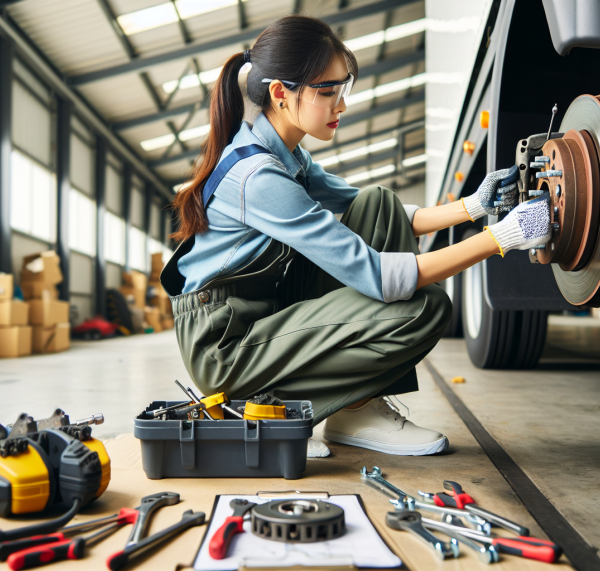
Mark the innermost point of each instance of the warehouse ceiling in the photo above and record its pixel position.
(147, 68)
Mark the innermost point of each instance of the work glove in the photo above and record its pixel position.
(526, 226)
(497, 193)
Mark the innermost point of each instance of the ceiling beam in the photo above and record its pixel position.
(140, 64)
(374, 157)
(380, 67)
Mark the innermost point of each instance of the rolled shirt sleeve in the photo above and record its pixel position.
(277, 205)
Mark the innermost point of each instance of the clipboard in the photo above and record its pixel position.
(338, 562)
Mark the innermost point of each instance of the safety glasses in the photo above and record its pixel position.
(327, 94)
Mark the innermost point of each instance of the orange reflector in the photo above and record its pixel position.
(450, 197)
(484, 119)
(459, 176)
(468, 147)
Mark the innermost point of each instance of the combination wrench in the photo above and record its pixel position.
(148, 506)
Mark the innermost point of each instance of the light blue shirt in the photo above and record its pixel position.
(260, 197)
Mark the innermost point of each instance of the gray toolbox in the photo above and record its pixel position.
(229, 448)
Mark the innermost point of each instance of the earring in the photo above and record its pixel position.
(281, 104)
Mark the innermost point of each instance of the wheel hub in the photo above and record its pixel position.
(572, 176)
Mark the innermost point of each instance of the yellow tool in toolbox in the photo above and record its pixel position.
(264, 407)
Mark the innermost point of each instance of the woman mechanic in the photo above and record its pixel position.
(272, 294)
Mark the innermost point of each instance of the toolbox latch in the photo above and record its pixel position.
(187, 444)
(252, 442)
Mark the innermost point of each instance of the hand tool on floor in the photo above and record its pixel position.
(486, 553)
(528, 547)
(125, 515)
(67, 548)
(219, 542)
(148, 506)
(404, 501)
(457, 498)
(120, 559)
(410, 521)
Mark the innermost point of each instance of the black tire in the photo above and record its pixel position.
(499, 339)
(453, 287)
(117, 310)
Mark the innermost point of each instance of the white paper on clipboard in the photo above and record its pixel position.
(361, 545)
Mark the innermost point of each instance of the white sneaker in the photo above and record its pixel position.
(317, 449)
(378, 425)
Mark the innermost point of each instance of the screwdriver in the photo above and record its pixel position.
(66, 549)
(528, 547)
(125, 515)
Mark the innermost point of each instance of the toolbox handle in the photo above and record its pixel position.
(187, 444)
(252, 442)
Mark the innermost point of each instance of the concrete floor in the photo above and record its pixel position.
(546, 419)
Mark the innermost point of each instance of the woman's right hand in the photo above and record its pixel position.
(526, 226)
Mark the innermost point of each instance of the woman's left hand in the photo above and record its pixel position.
(497, 193)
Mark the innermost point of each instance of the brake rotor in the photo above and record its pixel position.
(573, 180)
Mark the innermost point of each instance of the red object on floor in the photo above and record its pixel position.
(95, 328)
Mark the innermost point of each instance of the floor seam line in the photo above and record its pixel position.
(581, 555)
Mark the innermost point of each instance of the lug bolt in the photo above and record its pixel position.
(552, 247)
(533, 252)
(536, 192)
(556, 210)
(558, 191)
(548, 173)
(555, 225)
(541, 159)
(536, 165)
(540, 247)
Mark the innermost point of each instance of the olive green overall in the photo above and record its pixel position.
(302, 334)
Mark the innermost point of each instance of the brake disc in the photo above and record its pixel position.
(573, 180)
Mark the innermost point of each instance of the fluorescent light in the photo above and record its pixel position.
(148, 18)
(412, 161)
(192, 80)
(157, 142)
(361, 151)
(393, 33)
(194, 132)
(166, 140)
(440, 112)
(163, 14)
(387, 169)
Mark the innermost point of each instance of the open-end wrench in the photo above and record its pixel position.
(120, 559)
(404, 501)
(486, 553)
(148, 506)
(411, 521)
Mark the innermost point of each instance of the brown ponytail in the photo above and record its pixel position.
(226, 113)
(293, 48)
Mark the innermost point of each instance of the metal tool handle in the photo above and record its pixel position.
(498, 520)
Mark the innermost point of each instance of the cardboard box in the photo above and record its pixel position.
(15, 341)
(51, 339)
(6, 286)
(163, 304)
(13, 312)
(136, 284)
(38, 290)
(47, 312)
(43, 267)
(167, 322)
(152, 318)
(139, 296)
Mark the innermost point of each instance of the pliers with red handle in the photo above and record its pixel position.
(457, 498)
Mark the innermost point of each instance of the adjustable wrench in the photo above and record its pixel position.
(148, 506)
(411, 521)
(404, 501)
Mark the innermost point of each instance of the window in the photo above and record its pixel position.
(154, 246)
(33, 198)
(137, 249)
(114, 238)
(114, 191)
(137, 208)
(82, 223)
(155, 221)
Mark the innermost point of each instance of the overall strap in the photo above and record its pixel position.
(226, 164)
